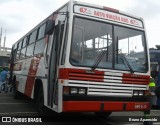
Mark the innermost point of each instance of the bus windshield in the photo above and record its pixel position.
(91, 38)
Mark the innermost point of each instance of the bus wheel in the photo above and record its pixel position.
(40, 103)
(16, 94)
(103, 114)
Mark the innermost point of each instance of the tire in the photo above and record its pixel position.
(16, 94)
(103, 114)
(40, 103)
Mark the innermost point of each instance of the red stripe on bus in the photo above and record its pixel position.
(81, 74)
(31, 76)
(86, 79)
(135, 79)
(86, 75)
(95, 106)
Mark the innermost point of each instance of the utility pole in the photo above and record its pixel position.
(4, 44)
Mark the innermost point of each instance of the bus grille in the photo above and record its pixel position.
(109, 84)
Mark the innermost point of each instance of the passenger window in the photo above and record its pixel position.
(39, 47)
(17, 55)
(23, 51)
(30, 49)
(32, 37)
(15, 46)
(24, 42)
(20, 45)
(41, 31)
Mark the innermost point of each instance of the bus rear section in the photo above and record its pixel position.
(89, 61)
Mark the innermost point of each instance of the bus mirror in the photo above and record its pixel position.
(49, 27)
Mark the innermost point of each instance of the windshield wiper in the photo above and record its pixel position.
(126, 61)
(98, 60)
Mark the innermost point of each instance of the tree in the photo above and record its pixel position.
(158, 47)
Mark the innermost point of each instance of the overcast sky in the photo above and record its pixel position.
(17, 17)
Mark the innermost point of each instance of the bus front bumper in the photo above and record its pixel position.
(104, 106)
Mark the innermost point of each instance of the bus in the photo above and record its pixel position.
(79, 59)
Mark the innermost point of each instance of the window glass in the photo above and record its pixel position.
(30, 49)
(39, 47)
(41, 31)
(130, 52)
(20, 45)
(23, 51)
(17, 55)
(32, 37)
(24, 42)
(93, 46)
(15, 46)
(91, 41)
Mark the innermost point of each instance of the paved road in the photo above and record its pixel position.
(25, 109)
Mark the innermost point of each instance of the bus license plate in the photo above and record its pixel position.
(140, 106)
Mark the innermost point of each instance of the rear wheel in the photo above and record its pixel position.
(103, 114)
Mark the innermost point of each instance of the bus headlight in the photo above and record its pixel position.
(68, 90)
(82, 91)
(135, 93)
(138, 93)
(141, 93)
(78, 91)
(74, 90)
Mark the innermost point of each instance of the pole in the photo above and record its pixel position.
(0, 37)
(4, 44)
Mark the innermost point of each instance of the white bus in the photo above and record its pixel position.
(79, 59)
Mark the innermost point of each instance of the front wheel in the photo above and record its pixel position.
(40, 103)
(16, 93)
(103, 114)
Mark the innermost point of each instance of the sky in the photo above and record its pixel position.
(17, 17)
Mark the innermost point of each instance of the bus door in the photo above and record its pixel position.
(52, 58)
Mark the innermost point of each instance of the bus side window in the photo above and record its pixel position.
(41, 32)
(17, 55)
(31, 43)
(40, 43)
(19, 49)
(30, 49)
(15, 51)
(23, 50)
(24, 42)
(32, 37)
